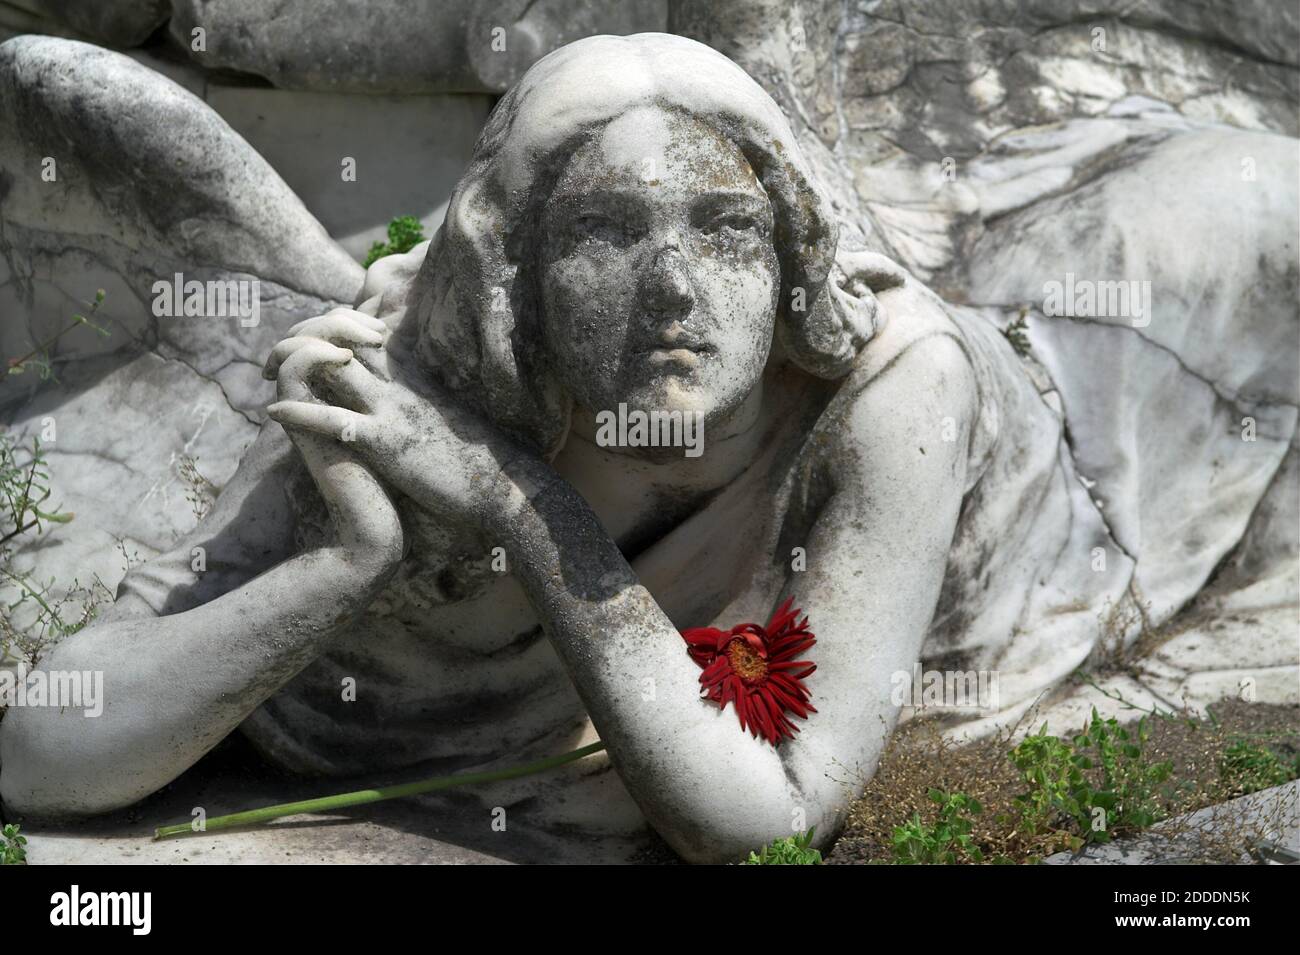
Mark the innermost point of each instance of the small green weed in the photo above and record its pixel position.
(12, 851)
(404, 234)
(792, 850)
(944, 843)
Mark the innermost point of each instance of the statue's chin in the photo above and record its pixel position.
(668, 419)
(686, 395)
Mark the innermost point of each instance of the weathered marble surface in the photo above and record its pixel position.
(425, 46)
(894, 89)
(191, 388)
(409, 152)
(1045, 131)
(112, 22)
(215, 203)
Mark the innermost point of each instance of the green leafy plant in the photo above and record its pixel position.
(1048, 765)
(39, 359)
(12, 851)
(33, 618)
(404, 234)
(24, 489)
(945, 842)
(1247, 768)
(792, 850)
(1095, 785)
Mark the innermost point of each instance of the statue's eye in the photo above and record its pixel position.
(724, 222)
(596, 227)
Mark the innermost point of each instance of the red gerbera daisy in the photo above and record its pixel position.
(755, 668)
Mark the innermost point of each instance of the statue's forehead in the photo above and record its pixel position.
(656, 147)
(642, 134)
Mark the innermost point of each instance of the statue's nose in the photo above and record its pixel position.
(666, 287)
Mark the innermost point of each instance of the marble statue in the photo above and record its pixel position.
(432, 510)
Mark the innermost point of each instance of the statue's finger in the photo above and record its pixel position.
(363, 511)
(282, 350)
(342, 326)
(351, 384)
(304, 359)
(331, 420)
(355, 315)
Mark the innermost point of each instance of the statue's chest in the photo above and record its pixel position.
(463, 604)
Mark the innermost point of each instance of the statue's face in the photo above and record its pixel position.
(658, 272)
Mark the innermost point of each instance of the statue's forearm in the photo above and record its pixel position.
(174, 686)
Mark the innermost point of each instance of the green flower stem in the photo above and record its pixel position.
(364, 796)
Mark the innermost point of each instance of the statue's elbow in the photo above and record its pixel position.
(41, 780)
(732, 829)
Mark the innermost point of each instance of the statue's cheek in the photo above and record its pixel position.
(588, 281)
(740, 292)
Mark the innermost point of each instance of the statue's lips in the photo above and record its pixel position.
(678, 354)
(677, 344)
(685, 357)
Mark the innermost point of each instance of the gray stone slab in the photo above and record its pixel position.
(1249, 829)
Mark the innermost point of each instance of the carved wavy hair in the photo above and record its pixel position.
(475, 298)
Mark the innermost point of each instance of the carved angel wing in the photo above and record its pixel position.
(113, 177)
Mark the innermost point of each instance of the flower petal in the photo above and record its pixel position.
(768, 695)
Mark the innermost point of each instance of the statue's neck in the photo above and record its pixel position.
(640, 492)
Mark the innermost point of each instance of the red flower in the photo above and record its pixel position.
(755, 668)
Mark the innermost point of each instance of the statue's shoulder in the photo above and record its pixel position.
(918, 329)
(915, 379)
